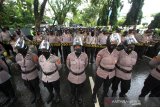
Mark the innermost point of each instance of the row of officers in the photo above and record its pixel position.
(91, 38)
(114, 66)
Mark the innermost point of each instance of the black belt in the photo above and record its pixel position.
(27, 72)
(77, 73)
(105, 69)
(158, 70)
(125, 71)
(49, 73)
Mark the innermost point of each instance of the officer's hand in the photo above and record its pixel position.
(58, 62)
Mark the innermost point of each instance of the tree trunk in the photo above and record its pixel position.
(38, 13)
(114, 8)
(60, 22)
(135, 13)
(37, 23)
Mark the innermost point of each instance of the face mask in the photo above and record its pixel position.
(112, 47)
(46, 54)
(78, 52)
(92, 34)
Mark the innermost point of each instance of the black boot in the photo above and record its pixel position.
(122, 95)
(80, 100)
(142, 100)
(5, 102)
(39, 102)
(14, 99)
(50, 98)
(33, 99)
(114, 94)
(94, 98)
(102, 98)
(58, 98)
(73, 100)
(39, 99)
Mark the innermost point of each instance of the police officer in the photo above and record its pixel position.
(66, 38)
(101, 40)
(28, 63)
(137, 35)
(153, 79)
(77, 61)
(80, 34)
(37, 38)
(105, 61)
(5, 38)
(127, 59)
(5, 83)
(91, 39)
(52, 38)
(117, 35)
(50, 65)
(12, 43)
(147, 39)
(58, 40)
(19, 33)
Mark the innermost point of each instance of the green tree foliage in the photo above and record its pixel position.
(62, 7)
(87, 17)
(18, 12)
(135, 14)
(104, 9)
(108, 11)
(77, 19)
(155, 23)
